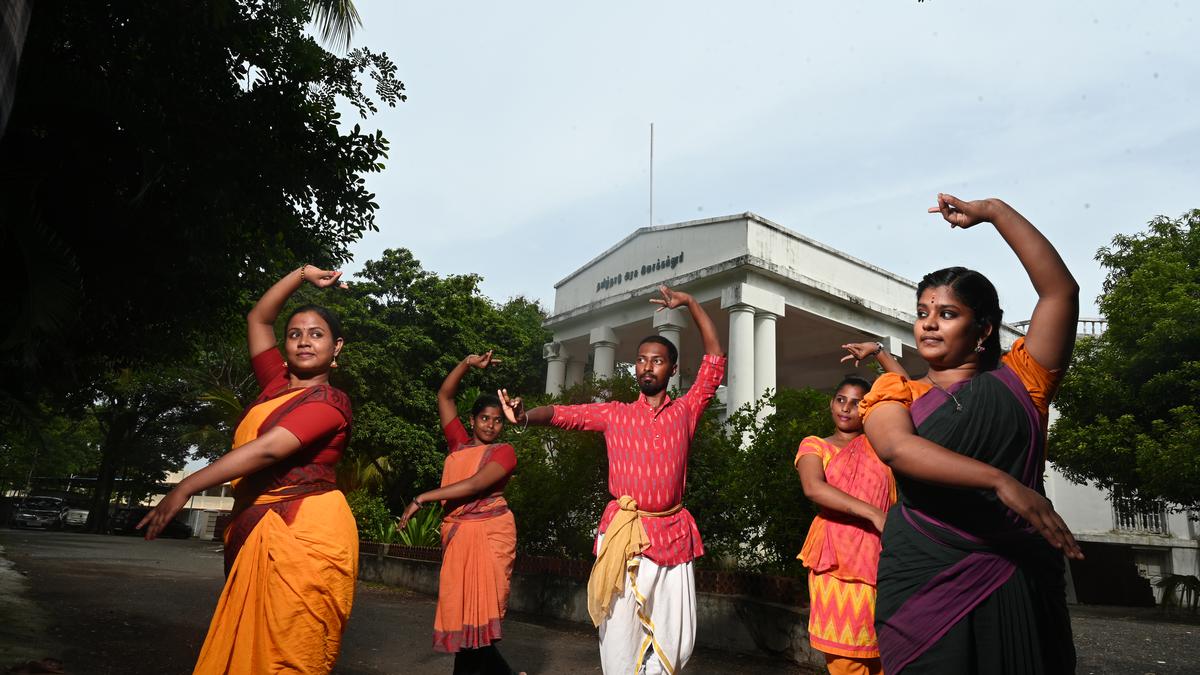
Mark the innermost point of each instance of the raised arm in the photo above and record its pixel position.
(244, 460)
(1051, 335)
(708, 331)
(260, 322)
(812, 479)
(890, 430)
(861, 351)
(447, 410)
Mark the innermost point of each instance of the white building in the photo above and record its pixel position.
(782, 302)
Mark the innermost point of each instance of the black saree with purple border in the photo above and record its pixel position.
(965, 585)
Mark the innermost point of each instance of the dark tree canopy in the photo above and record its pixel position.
(164, 160)
(1130, 403)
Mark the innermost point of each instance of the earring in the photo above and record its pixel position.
(979, 347)
(333, 364)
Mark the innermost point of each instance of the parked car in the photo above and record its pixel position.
(125, 519)
(45, 512)
(75, 517)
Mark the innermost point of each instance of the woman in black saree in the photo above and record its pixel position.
(971, 577)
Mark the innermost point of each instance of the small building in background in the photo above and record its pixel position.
(205, 512)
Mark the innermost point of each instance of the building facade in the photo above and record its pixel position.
(782, 302)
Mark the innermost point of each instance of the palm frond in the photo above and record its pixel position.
(336, 20)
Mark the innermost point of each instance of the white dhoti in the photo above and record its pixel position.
(652, 627)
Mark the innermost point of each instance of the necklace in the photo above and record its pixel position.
(957, 405)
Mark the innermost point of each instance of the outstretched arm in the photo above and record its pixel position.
(1052, 328)
(241, 461)
(260, 322)
(486, 477)
(447, 410)
(861, 351)
(890, 430)
(708, 331)
(812, 479)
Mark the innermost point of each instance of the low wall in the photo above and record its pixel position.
(727, 617)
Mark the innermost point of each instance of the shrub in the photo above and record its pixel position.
(371, 514)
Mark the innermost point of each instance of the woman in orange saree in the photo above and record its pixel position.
(479, 536)
(853, 489)
(291, 550)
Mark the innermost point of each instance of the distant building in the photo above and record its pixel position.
(203, 510)
(782, 302)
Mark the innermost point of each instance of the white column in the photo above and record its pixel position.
(740, 377)
(670, 324)
(748, 334)
(575, 368)
(556, 367)
(604, 351)
(764, 357)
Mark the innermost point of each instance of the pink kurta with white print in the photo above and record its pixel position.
(647, 458)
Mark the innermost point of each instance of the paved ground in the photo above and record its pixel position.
(107, 604)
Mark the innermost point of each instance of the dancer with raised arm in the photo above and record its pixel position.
(642, 590)
(291, 549)
(853, 489)
(971, 577)
(479, 535)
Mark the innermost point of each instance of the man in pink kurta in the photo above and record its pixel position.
(647, 618)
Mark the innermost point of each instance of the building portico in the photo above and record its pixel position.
(782, 302)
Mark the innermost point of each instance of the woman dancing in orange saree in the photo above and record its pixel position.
(854, 489)
(479, 536)
(291, 550)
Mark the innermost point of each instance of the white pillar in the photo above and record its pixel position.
(748, 378)
(556, 367)
(575, 368)
(740, 378)
(604, 351)
(764, 357)
(670, 324)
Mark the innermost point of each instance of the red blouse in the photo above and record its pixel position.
(321, 428)
(457, 438)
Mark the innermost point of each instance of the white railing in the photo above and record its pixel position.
(1085, 326)
(1141, 516)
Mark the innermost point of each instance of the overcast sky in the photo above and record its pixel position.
(522, 150)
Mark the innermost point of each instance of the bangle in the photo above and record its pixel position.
(304, 273)
(417, 501)
(878, 348)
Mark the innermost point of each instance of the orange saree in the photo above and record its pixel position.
(479, 541)
(842, 553)
(291, 559)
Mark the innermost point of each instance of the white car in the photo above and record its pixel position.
(75, 517)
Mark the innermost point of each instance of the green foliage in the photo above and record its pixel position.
(406, 328)
(423, 529)
(162, 161)
(747, 498)
(371, 515)
(1129, 403)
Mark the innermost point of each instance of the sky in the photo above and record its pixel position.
(523, 149)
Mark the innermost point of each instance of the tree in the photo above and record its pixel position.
(405, 329)
(163, 161)
(1130, 403)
